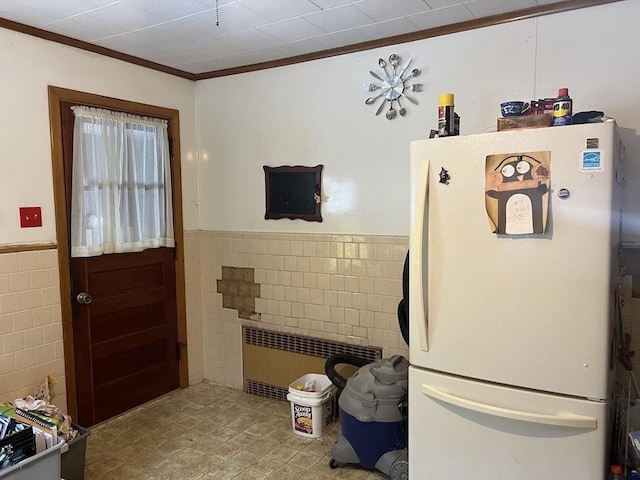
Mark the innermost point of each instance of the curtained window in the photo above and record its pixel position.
(121, 183)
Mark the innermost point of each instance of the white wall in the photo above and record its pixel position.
(314, 113)
(30, 315)
(29, 65)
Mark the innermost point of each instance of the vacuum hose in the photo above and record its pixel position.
(341, 358)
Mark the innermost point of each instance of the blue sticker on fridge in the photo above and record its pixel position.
(591, 160)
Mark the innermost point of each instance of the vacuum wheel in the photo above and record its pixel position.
(333, 464)
(400, 471)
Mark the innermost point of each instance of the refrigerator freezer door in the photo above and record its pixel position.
(468, 429)
(525, 310)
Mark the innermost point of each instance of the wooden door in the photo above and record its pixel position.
(125, 330)
(125, 336)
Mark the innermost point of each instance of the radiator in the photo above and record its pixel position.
(273, 360)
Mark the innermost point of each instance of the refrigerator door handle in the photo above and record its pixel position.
(564, 420)
(419, 250)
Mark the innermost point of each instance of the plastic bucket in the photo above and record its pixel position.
(41, 466)
(74, 455)
(312, 413)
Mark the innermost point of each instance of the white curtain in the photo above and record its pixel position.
(121, 191)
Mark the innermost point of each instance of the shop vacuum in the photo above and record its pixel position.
(373, 407)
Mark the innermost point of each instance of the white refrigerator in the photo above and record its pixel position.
(513, 301)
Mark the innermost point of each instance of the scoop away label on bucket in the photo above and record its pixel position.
(303, 418)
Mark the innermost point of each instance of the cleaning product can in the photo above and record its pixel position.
(615, 473)
(562, 108)
(446, 118)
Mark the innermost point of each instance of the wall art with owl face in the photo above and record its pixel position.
(517, 192)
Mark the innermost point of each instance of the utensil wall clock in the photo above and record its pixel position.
(394, 87)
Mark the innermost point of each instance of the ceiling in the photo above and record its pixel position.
(200, 37)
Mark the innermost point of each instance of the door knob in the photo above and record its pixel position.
(84, 298)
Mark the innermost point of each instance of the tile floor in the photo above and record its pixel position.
(211, 432)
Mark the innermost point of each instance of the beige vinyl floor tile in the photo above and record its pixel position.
(208, 432)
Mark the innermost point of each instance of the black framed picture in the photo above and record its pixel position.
(293, 192)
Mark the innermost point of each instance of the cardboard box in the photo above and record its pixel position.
(525, 121)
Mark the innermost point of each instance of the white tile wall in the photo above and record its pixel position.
(193, 298)
(31, 344)
(30, 325)
(338, 287)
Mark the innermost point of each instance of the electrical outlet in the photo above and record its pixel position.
(30, 217)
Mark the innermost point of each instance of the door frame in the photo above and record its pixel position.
(56, 96)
